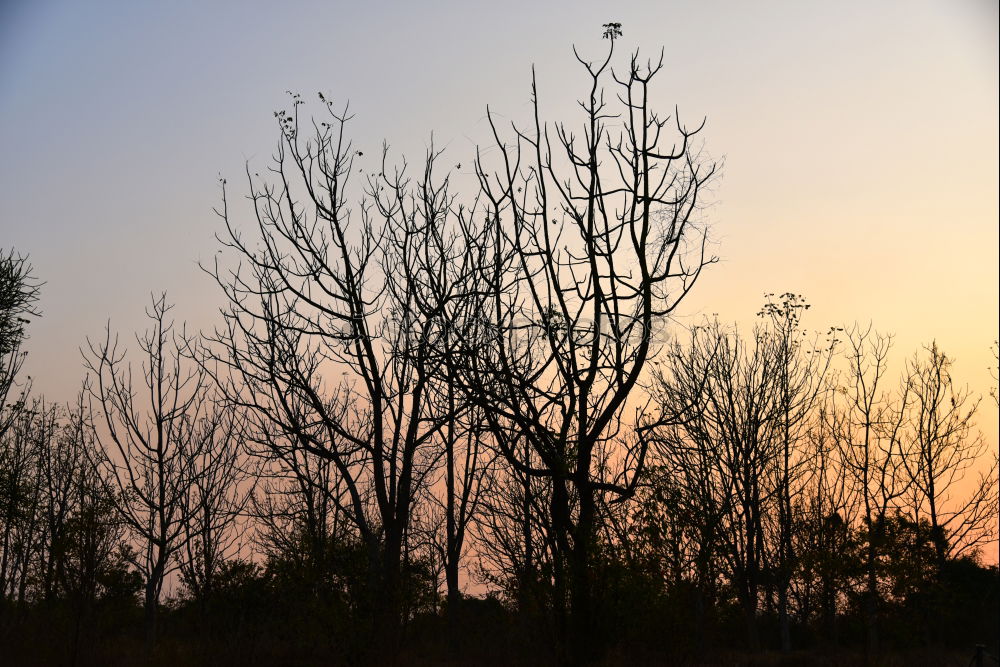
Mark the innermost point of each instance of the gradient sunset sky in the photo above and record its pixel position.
(859, 140)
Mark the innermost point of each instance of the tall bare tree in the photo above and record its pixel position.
(331, 328)
(149, 453)
(602, 236)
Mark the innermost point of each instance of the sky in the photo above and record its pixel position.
(859, 142)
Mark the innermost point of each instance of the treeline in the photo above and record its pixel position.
(413, 397)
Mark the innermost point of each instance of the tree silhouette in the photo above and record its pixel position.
(149, 453)
(19, 292)
(596, 241)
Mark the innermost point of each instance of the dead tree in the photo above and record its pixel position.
(298, 512)
(464, 481)
(732, 452)
(442, 250)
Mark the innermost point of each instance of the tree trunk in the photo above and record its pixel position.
(585, 643)
(150, 611)
(454, 594)
(560, 527)
(388, 604)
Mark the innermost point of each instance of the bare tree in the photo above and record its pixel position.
(149, 453)
(823, 535)
(685, 462)
(802, 364)
(442, 252)
(331, 327)
(221, 487)
(869, 426)
(515, 542)
(602, 239)
(939, 451)
(720, 442)
(467, 462)
(301, 525)
(24, 430)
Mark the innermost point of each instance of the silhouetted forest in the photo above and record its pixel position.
(443, 427)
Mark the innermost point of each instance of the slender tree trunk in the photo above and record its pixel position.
(150, 610)
(454, 601)
(388, 606)
(585, 645)
(560, 526)
(453, 550)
